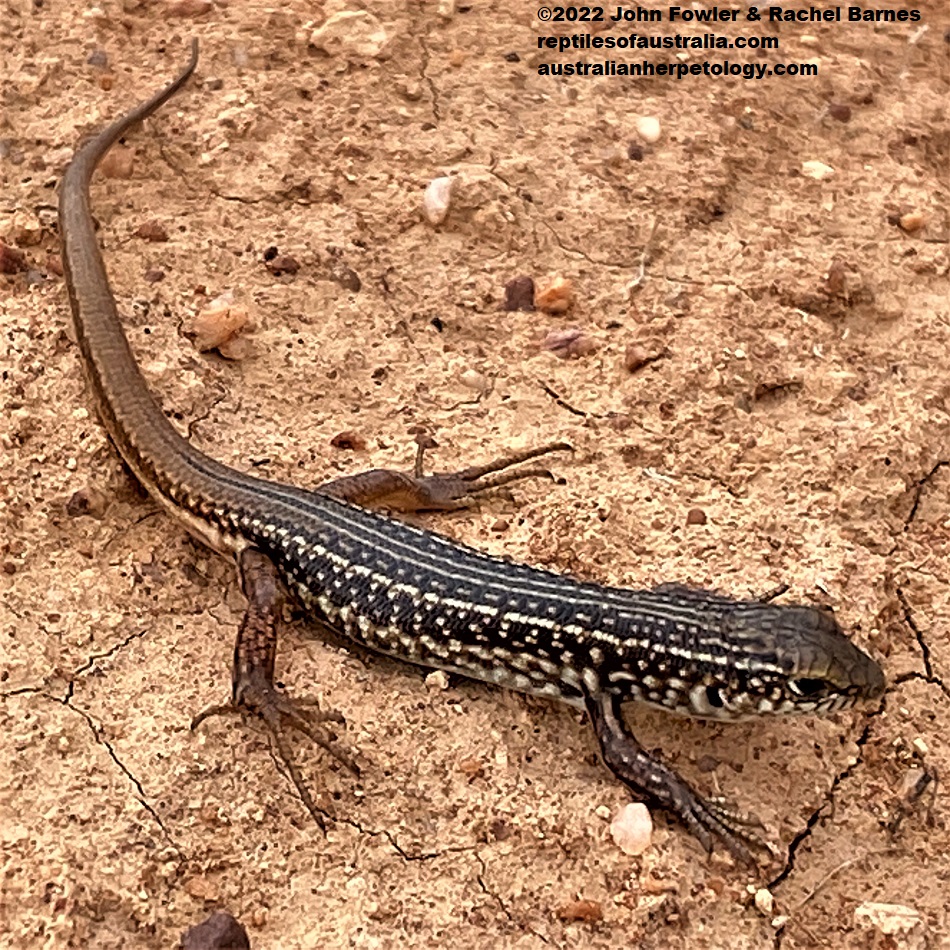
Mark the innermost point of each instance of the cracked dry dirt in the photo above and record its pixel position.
(808, 419)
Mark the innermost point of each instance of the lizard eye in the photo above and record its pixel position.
(808, 687)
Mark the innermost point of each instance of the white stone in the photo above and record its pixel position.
(817, 170)
(632, 828)
(353, 32)
(648, 128)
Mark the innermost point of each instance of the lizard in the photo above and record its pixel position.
(411, 593)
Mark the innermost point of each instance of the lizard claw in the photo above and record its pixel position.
(278, 712)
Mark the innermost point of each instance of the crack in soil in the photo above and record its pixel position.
(909, 619)
(398, 848)
(504, 907)
(97, 732)
(815, 817)
(919, 490)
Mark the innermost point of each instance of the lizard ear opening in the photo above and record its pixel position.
(809, 687)
(714, 697)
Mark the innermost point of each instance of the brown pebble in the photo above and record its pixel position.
(154, 275)
(835, 280)
(54, 264)
(201, 887)
(636, 357)
(696, 516)
(519, 294)
(86, 501)
(840, 111)
(282, 264)
(118, 162)
(151, 230)
(473, 768)
(106, 81)
(502, 524)
(220, 931)
(349, 439)
(912, 221)
(587, 911)
(635, 151)
(553, 293)
(11, 260)
(570, 344)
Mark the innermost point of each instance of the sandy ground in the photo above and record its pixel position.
(799, 399)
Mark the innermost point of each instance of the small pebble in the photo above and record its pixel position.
(216, 323)
(118, 162)
(472, 379)
(25, 229)
(220, 931)
(817, 170)
(648, 128)
(437, 200)
(586, 911)
(472, 767)
(632, 828)
(350, 440)
(152, 231)
(355, 33)
(764, 902)
(553, 293)
(281, 264)
(569, 344)
(87, 501)
(921, 746)
(903, 926)
(12, 261)
(519, 294)
(635, 151)
(636, 357)
(502, 524)
(696, 516)
(237, 348)
(835, 280)
(912, 221)
(437, 679)
(840, 111)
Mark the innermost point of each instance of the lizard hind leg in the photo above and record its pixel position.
(253, 689)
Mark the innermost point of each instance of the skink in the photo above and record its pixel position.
(413, 594)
